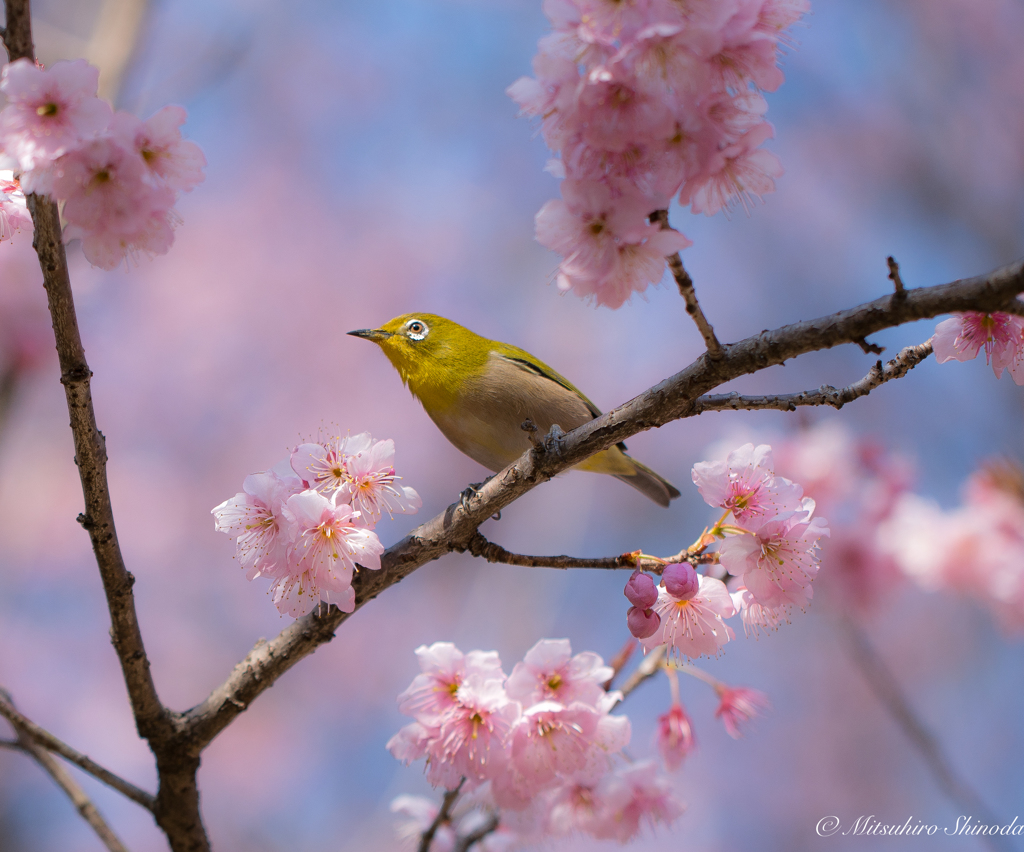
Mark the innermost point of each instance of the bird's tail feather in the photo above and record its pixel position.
(648, 483)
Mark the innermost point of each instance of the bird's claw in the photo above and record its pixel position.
(553, 440)
(471, 491)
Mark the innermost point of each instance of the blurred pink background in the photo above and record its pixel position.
(364, 162)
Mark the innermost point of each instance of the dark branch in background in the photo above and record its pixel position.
(46, 740)
(444, 815)
(480, 546)
(897, 368)
(676, 397)
(886, 687)
(477, 835)
(63, 779)
(687, 291)
(648, 668)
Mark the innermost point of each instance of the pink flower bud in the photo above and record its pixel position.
(680, 581)
(640, 590)
(642, 622)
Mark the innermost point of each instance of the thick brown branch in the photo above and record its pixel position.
(687, 291)
(90, 449)
(26, 742)
(897, 368)
(45, 739)
(672, 399)
(177, 803)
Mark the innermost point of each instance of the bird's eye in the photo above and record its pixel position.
(416, 330)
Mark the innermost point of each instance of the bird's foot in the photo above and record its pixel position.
(553, 440)
(471, 492)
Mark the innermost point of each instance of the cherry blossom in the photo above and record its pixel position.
(648, 100)
(779, 560)
(693, 627)
(444, 668)
(1001, 335)
(737, 706)
(746, 485)
(49, 111)
(549, 672)
(255, 518)
(674, 736)
(171, 160)
(13, 214)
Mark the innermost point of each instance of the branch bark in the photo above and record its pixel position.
(686, 289)
(675, 398)
(897, 368)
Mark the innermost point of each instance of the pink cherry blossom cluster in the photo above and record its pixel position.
(118, 177)
(307, 523)
(540, 745)
(1001, 335)
(770, 547)
(976, 549)
(644, 101)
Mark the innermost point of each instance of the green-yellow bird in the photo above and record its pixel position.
(479, 392)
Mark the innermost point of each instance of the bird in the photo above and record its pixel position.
(480, 392)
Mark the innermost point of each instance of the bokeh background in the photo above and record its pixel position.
(364, 162)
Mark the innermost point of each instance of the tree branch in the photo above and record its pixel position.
(648, 668)
(444, 814)
(674, 398)
(83, 804)
(177, 802)
(481, 547)
(478, 834)
(897, 368)
(90, 446)
(687, 291)
(886, 687)
(43, 738)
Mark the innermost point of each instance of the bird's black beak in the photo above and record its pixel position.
(372, 333)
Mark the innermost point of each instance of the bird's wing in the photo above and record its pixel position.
(524, 361)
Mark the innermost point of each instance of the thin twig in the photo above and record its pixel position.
(481, 547)
(45, 739)
(687, 291)
(897, 368)
(894, 275)
(648, 668)
(83, 804)
(672, 399)
(618, 662)
(444, 814)
(886, 687)
(478, 834)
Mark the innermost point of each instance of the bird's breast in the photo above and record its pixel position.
(485, 420)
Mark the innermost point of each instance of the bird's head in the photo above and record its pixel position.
(428, 350)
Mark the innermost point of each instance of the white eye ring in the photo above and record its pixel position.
(416, 329)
